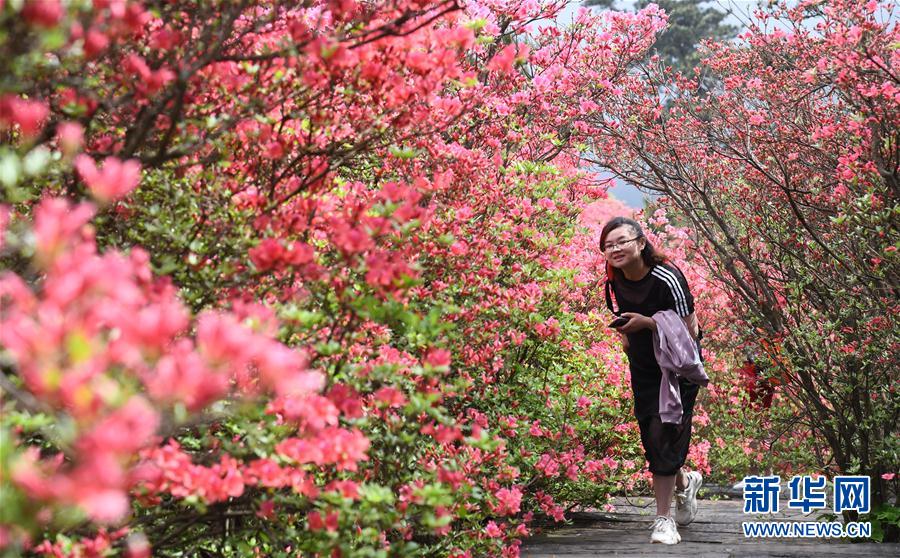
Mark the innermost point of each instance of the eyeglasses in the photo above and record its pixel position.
(618, 245)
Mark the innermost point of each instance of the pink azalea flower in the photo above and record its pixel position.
(506, 58)
(182, 376)
(331, 521)
(105, 506)
(453, 478)
(510, 500)
(148, 81)
(273, 150)
(459, 248)
(266, 509)
(28, 115)
(56, 223)
(267, 254)
(138, 546)
(69, 137)
(390, 396)
(314, 521)
(492, 530)
(312, 412)
(447, 434)
(42, 13)
(547, 465)
(347, 488)
(438, 358)
(299, 253)
(126, 430)
(95, 42)
(114, 180)
(346, 399)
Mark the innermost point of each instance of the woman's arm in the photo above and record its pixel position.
(692, 325)
(638, 322)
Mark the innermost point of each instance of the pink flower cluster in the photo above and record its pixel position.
(26, 115)
(100, 340)
(102, 473)
(338, 446)
(171, 471)
(509, 501)
(114, 180)
(549, 506)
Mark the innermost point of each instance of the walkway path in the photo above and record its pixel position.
(715, 532)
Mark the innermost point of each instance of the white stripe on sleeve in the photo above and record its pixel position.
(675, 286)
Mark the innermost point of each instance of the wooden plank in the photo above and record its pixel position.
(715, 532)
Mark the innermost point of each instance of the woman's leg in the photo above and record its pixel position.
(666, 447)
(664, 487)
(681, 481)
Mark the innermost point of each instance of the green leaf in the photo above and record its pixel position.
(36, 161)
(78, 347)
(376, 494)
(402, 152)
(53, 38)
(10, 169)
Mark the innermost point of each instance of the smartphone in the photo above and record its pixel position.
(619, 322)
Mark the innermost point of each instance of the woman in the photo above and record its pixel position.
(642, 285)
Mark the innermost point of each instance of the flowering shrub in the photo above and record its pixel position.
(335, 291)
(101, 355)
(321, 301)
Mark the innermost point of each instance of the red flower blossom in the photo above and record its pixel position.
(28, 115)
(43, 13)
(114, 180)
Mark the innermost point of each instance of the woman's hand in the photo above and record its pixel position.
(636, 322)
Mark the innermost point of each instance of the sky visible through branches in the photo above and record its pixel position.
(741, 14)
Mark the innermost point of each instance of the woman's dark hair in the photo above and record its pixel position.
(649, 254)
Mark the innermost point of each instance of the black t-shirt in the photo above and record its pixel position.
(662, 288)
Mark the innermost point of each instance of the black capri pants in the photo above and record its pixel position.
(665, 445)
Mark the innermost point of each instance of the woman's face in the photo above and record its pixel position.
(622, 248)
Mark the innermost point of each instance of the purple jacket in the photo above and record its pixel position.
(677, 355)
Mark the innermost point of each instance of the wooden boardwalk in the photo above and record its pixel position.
(715, 532)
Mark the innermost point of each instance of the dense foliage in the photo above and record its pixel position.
(317, 277)
(321, 300)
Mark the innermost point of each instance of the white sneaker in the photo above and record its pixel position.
(686, 500)
(664, 531)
